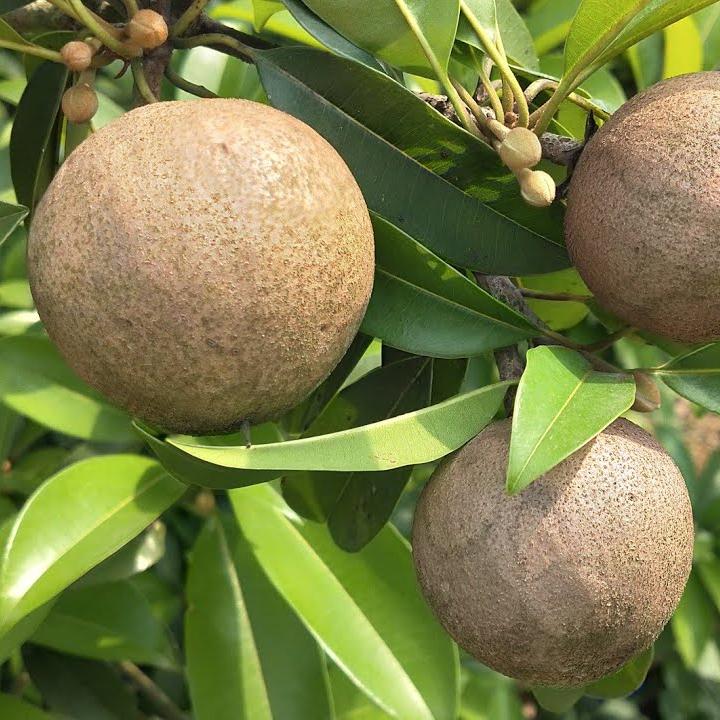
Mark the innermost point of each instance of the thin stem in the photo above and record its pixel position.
(475, 109)
(188, 17)
(35, 50)
(214, 39)
(186, 85)
(543, 84)
(490, 90)
(103, 31)
(494, 54)
(131, 8)
(540, 121)
(559, 297)
(63, 7)
(589, 348)
(508, 99)
(164, 706)
(141, 82)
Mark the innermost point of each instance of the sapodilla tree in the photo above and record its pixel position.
(642, 222)
(567, 581)
(203, 263)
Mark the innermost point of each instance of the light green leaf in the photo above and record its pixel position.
(695, 376)
(683, 48)
(487, 695)
(112, 621)
(646, 60)
(626, 680)
(693, 623)
(561, 404)
(549, 22)
(563, 314)
(263, 11)
(15, 294)
(401, 32)
(422, 305)
(380, 631)
(249, 657)
(485, 13)
(709, 571)
(408, 439)
(14, 708)
(73, 522)
(556, 700)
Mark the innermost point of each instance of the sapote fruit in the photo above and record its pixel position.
(202, 263)
(565, 582)
(643, 216)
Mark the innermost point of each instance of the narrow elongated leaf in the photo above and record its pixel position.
(561, 404)
(626, 680)
(422, 305)
(695, 376)
(409, 439)
(10, 217)
(112, 621)
(34, 139)
(693, 623)
(379, 625)
(75, 520)
(36, 382)
(396, 30)
(485, 13)
(709, 572)
(466, 206)
(330, 38)
(13, 708)
(249, 657)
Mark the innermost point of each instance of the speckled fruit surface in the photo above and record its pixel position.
(203, 262)
(642, 225)
(563, 583)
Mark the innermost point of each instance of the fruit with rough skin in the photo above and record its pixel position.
(565, 582)
(147, 29)
(80, 103)
(202, 263)
(520, 149)
(643, 207)
(77, 55)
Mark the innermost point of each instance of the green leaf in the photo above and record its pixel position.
(561, 404)
(398, 31)
(80, 689)
(35, 133)
(36, 382)
(10, 217)
(73, 522)
(408, 439)
(487, 695)
(596, 25)
(12, 640)
(683, 48)
(15, 294)
(485, 13)
(331, 39)
(112, 621)
(549, 22)
(424, 162)
(556, 700)
(379, 625)
(695, 375)
(656, 15)
(422, 305)
(13, 708)
(559, 315)
(708, 21)
(350, 702)
(646, 60)
(263, 11)
(248, 655)
(626, 680)
(709, 571)
(693, 623)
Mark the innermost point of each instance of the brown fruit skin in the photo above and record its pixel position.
(147, 29)
(77, 55)
(563, 583)
(203, 262)
(79, 103)
(642, 225)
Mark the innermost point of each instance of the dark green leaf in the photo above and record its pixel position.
(561, 404)
(10, 217)
(695, 376)
(35, 133)
(467, 209)
(13, 708)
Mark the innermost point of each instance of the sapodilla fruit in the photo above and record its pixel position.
(642, 222)
(202, 263)
(565, 582)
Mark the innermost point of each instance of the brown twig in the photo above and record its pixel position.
(39, 17)
(155, 61)
(162, 704)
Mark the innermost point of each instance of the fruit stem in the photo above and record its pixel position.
(180, 82)
(559, 297)
(475, 109)
(188, 17)
(141, 82)
(214, 39)
(502, 64)
(103, 31)
(588, 348)
(543, 84)
(489, 88)
(30, 49)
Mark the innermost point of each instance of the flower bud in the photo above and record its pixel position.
(77, 55)
(537, 187)
(79, 103)
(520, 149)
(147, 29)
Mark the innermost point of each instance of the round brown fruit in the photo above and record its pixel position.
(641, 225)
(147, 29)
(77, 55)
(80, 103)
(202, 263)
(565, 582)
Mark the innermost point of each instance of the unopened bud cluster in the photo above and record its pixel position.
(147, 30)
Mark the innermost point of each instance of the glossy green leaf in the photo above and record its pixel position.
(248, 655)
(73, 522)
(485, 13)
(424, 162)
(330, 38)
(683, 48)
(695, 376)
(626, 680)
(422, 305)
(10, 217)
(559, 315)
(693, 623)
(380, 631)
(30, 470)
(646, 60)
(80, 689)
(408, 439)
(561, 404)
(350, 702)
(15, 637)
(656, 15)
(36, 382)
(264, 10)
(397, 31)
(35, 133)
(111, 621)
(14, 708)
(556, 700)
